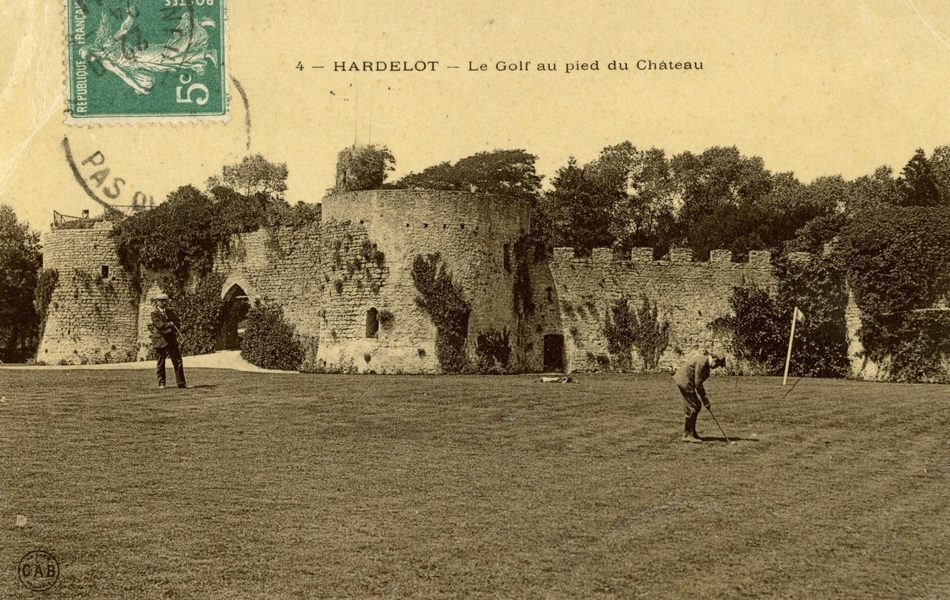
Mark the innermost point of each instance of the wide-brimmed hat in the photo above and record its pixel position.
(718, 359)
(160, 296)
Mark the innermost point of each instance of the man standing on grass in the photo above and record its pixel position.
(165, 330)
(689, 379)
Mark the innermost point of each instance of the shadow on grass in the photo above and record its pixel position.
(732, 439)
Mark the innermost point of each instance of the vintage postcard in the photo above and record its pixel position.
(540, 299)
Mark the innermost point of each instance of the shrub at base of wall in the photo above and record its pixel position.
(753, 331)
(760, 326)
(200, 308)
(269, 341)
(493, 352)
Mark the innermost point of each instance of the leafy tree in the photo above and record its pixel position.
(640, 189)
(362, 167)
(813, 236)
(253, 175)
(576, 212)
(175, 236)
(21, 260)
(722, 200)
(503, 172)
(872, 192)
(940, 167)
(719, 176)
(236, 212)
(791, 206)
(917, 184)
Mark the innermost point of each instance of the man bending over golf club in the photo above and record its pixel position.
(164, 330)
(689, 379)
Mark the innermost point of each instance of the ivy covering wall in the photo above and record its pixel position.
(627, 328)
(896, 261)
(757, 332)
(441, 298)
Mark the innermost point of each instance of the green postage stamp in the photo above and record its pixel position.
(151, 60)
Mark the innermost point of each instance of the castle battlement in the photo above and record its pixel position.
(677, 256)
(688, 294)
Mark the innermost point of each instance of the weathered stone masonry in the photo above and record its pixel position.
(281, 265)
(92, 315)
(689, 295)
(471, 232)
(345, 283)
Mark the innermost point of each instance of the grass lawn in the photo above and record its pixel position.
(313, 486)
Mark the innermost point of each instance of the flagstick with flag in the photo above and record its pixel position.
(797, 315)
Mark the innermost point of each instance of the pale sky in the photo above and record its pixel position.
(813, 87)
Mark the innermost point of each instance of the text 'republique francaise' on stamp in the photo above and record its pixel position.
(146, 60)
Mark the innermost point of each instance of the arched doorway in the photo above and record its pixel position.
(236, 305)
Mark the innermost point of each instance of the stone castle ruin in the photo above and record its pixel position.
(345, 283)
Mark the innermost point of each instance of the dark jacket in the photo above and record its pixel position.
(691, 375)
(164, 328)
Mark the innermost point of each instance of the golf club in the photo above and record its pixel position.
(181, 338)
(709, 408)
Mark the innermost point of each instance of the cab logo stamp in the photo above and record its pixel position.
(146, 60)
(38, 570)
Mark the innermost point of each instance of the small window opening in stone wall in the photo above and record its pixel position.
(105, 271)
(550, 294)
(372, 323)
(507, 257)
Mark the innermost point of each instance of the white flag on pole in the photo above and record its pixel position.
(797, 316)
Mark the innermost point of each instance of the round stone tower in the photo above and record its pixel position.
(370, 317)
(92, 313)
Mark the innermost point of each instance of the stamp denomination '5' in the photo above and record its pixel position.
(146, 59)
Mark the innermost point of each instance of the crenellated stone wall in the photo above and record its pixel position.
(689, 295)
